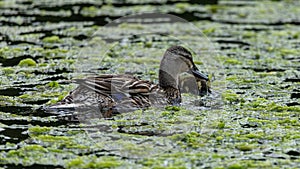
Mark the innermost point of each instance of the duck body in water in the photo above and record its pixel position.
(112, 94)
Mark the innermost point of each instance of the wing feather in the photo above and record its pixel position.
(122, 88)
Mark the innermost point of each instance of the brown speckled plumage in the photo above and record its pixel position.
(122, 93)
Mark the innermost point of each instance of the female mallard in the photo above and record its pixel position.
(122, 93)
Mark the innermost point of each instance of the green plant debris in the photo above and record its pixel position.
(52, 39)
(231, 97)
(53, 84)
(232, 61)
(236, 166)
(37, 130)
(94, 162)
(251, 54)
(174, 108)
(8, 70)
(27, 62)
(245, 147)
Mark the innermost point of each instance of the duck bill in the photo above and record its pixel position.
(194, 71)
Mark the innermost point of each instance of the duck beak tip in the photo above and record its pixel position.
(198, 74)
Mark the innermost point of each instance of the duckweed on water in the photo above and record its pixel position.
(53, 139)
(27, 150)
(8, 70)
(232, 62)
(94, 162)
(221, 125)
(192, 140)
(53, 84)
(230, 97)
(27, 62)
(60, 142)
(34, 154)
(265, 105)
(52, 39)
(258, 123)
(219, 138)
(25, 96)
(172, 108)
(245, 147)
(37, 130)
(236, 166)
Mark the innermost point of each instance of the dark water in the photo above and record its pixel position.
(258, 53)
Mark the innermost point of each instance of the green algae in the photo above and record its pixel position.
(232, 62)
(209, 31)
(221, 125)
(236, 166)
(191, 139)
(27, 62)
(90, 11)
(52, 39)
(105, 162)
(37, 130)
(53, 139)
(265, 105)
(174, 108)
(53, 84)
(26, 151)
(57, 143)
(215, 8)
(245, 147)
(78, 162)
(8, 70)
(231, 97)
(258, 113)
(169, 167)
(26, 154)
(32, 154)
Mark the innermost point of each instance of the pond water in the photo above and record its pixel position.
(250, 50)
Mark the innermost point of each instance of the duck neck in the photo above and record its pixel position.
(169, 83)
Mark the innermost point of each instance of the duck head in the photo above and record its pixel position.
(175, 61)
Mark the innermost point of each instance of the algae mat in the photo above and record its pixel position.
(255, 43)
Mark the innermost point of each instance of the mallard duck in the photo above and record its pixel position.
(112, 94)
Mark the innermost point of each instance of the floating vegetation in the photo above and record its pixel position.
(45, 44)
(27, 62)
